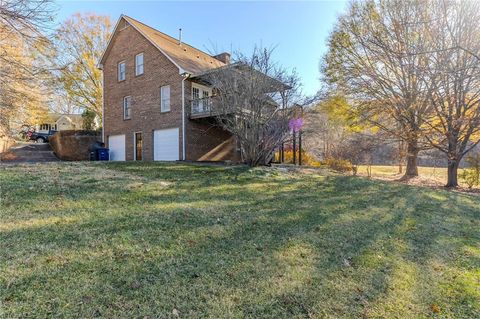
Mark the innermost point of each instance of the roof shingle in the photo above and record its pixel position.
(187, 57)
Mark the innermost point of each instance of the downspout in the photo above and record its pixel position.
(103, 105)
(185, 76)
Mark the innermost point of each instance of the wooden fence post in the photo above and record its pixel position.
(300, 148)
(294, 148)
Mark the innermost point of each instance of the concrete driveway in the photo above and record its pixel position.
(27, 152)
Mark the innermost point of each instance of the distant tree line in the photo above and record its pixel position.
(412, 70)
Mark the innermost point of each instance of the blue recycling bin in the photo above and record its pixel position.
(103, 154)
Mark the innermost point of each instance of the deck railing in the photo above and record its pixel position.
(201, 106)
(205, 107)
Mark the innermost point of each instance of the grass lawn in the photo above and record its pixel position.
(133, 240)
(439, 173)
(431, 176)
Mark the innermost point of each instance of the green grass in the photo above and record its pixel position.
(130, 240)
(438, 174)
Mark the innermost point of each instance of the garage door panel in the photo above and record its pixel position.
(116, 144)
(166, 145)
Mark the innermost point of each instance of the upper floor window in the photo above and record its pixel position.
(121, 71)
(165, 98)
(200, 98)
(127, 107)
(139, 64)
(195, 93)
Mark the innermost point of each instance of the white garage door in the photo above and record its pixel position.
(166, 145)
(116, 144)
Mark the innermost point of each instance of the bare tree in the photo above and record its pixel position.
(454, 72)
(26, 17)
(358, 148)
(22, 72)
(79, 44)
(375, 59)
(25, 20)
(254, 100)
(22, 95)
(320, 133)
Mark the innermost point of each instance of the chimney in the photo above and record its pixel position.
(180, 36)
(224, 57)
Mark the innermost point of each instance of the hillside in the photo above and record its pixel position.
(174, 240)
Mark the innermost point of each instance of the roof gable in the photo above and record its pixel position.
(185, 57)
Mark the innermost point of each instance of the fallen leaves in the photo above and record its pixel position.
(435, 308)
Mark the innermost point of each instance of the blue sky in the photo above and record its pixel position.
(298, 30)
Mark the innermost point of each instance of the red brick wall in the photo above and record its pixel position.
(202, 143)
(208, 142)
(205, 141)
(73, 145)
(144, 90)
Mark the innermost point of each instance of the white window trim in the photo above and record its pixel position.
(193, 89)
(198, 103)
(130, 107)
(201, 88)
(119, 72)
(162, 106)
(137, 65)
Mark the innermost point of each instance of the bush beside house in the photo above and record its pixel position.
(5, 143)
(73, 145)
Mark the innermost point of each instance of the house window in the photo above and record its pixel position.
(165, 98)
(205, 100)
(139, 64)
(200, 98)
(195, 99)
(127, 107)
(121, 71)
(195, 93)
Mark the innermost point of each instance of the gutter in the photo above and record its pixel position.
(185, 76)
(100, 67)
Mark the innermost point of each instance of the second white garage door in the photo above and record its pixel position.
(116, 144)
(166, 145)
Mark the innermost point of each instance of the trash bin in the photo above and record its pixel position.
(103, 154)
(93, 150)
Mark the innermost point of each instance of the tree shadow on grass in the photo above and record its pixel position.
(305, 248)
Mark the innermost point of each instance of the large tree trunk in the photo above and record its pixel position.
(453, 161)
(452, 180)
(412, 156)
(400, 157)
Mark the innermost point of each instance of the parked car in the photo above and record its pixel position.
(41, 137)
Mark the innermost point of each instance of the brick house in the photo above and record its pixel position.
(155, 106)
